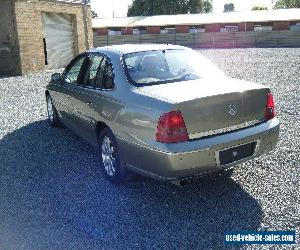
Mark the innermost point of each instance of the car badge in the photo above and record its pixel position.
(232, 110)
(234, 153)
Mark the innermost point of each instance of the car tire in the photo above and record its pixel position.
(112, 166)
(52, 113)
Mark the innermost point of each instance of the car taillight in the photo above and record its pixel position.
(270, 107)
(171, 128)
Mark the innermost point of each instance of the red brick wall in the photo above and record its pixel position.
(281, 25)
(212, 27)
(250, 26)
(102, 31)
(182, 29)
(242, 27)
(127, 31)
(222, 25)
(153, 30)
(294, 22)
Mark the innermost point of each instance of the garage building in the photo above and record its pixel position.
(39, 34)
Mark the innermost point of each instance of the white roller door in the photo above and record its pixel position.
(59, 39)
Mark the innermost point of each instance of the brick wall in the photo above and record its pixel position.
(101, 31)
(182, 29)
(30, 30)
(127, 31)
(281, 25)
(250, 26)
(294, 22)
(153, 30)
(242, 27)
(212, 27)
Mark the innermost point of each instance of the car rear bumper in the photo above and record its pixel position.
(197, 157)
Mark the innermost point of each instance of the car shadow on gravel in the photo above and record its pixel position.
(51, 197)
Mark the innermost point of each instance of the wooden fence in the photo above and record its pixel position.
(210, 40)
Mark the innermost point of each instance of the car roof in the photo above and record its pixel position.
(131, 48)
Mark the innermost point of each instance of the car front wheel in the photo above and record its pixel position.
(112, 166)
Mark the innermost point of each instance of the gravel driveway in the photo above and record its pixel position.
(51, 198)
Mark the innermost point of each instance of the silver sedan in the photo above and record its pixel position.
(162, 111)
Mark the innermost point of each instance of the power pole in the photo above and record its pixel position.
(113, 8)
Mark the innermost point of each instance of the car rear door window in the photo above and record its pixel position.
(108, 76)
(104, 78)
(95, 62)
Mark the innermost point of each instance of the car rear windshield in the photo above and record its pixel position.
(164, 66)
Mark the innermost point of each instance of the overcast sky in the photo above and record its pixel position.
(106, 8)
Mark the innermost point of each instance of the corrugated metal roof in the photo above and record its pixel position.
(194, 19)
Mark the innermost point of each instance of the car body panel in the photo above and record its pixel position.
(132, 113)
(205, 103)
(196, 157)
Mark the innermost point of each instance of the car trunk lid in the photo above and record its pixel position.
(212, 106)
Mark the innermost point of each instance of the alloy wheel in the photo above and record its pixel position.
(108, 156)
(50, 109)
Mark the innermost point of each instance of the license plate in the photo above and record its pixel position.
(237, 153)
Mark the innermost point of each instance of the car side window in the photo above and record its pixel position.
(72, 73)
(95, 62)
(105, 78)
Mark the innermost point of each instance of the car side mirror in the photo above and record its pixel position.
(56, 77)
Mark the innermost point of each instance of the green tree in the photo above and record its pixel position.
(168, 7)
(196, 6)
(228, 7)
(259, 8)
(287, 4)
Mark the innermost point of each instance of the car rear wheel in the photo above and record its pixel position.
(112, 166)
(52, 114)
